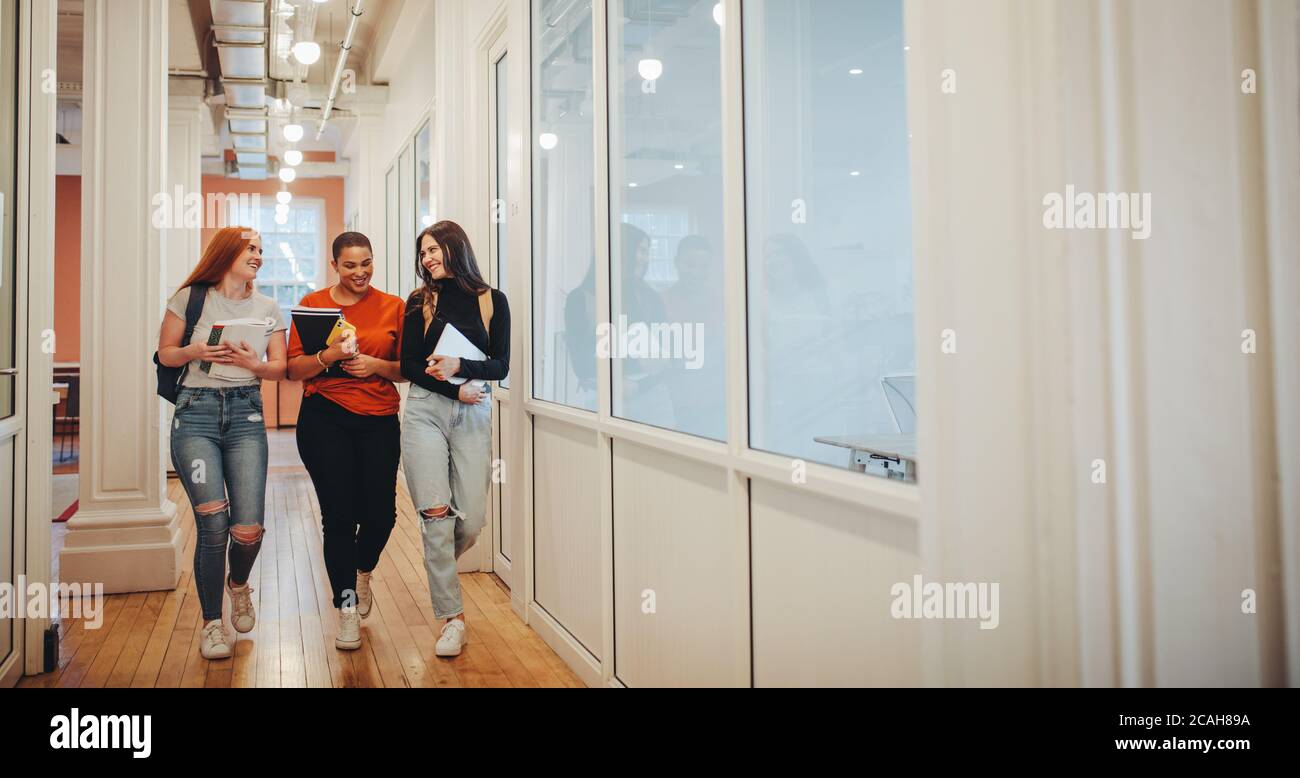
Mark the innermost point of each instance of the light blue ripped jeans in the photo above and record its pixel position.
(447, 458)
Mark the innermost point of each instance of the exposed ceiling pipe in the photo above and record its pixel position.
(344, 48)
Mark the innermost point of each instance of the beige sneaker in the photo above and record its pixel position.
(214, 644)
(349, 637)
(452, 640)
(365, 597)
(242, 616)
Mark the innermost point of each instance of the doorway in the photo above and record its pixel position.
(11, 421)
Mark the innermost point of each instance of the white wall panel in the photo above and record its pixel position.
(673, 535)
(566, 515)
(822, 573)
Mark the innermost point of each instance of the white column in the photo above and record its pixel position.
(126, 534)
(368, 168)
(185, 114)
(183, 244)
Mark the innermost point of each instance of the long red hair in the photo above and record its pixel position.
(225, 247)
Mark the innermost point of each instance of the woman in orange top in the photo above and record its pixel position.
(348, 434)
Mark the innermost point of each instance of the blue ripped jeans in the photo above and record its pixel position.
(218, 442)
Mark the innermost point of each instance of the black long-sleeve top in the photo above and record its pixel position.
(462, 311)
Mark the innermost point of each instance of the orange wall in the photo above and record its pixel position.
(283, 399)
(67, 269)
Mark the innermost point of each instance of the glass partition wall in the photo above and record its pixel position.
(564, 187)
(667, 334)
(810, 105)
(828, 216)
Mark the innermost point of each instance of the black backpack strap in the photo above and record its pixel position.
(194, 310)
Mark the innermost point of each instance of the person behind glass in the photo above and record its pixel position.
(447, 437)
(218, 433)
(348, 432)
(643, 394)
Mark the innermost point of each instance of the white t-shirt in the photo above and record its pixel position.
(217, 308)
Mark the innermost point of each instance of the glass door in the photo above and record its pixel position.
(498, 123)
(11, 424)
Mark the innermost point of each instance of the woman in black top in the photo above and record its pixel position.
(447, 427)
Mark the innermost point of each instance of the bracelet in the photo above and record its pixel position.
(321, 361)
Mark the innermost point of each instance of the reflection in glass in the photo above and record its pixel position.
(667, 332)
(827, 198)
(564, 281)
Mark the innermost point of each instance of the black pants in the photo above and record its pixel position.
(352, 461)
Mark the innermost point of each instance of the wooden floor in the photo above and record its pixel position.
(151, 639)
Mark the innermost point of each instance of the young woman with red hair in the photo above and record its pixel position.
(218, 435)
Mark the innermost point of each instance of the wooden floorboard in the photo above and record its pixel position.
(151, 639)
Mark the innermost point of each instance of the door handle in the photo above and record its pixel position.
(13, 371)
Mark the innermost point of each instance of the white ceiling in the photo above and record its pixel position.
(191, 26)
(182, 43)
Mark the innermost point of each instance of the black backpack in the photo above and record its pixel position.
(169, 378)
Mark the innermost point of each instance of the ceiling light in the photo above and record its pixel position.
(288, 174)
(284, 197)
(548, 140)
(633, 185)
(293, 158)
(306, 52)
(679, 166)
(855, 72)
(650, 68)
(855, 173)
(281, 218)
(293, 132)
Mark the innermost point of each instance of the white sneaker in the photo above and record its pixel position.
(214, 644)
(453, 638)
(242, 616)
(349, 637)
(365, 597)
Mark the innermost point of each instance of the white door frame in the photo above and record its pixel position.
(34, 250)
(494, 46)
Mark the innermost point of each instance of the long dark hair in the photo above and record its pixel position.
(457, 256)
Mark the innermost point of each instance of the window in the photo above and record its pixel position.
(501, 128)
(564, 271)
(828, 224)
(667, 332)
(292, 252)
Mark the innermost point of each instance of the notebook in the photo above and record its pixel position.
(314, 327)
(255, 332)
